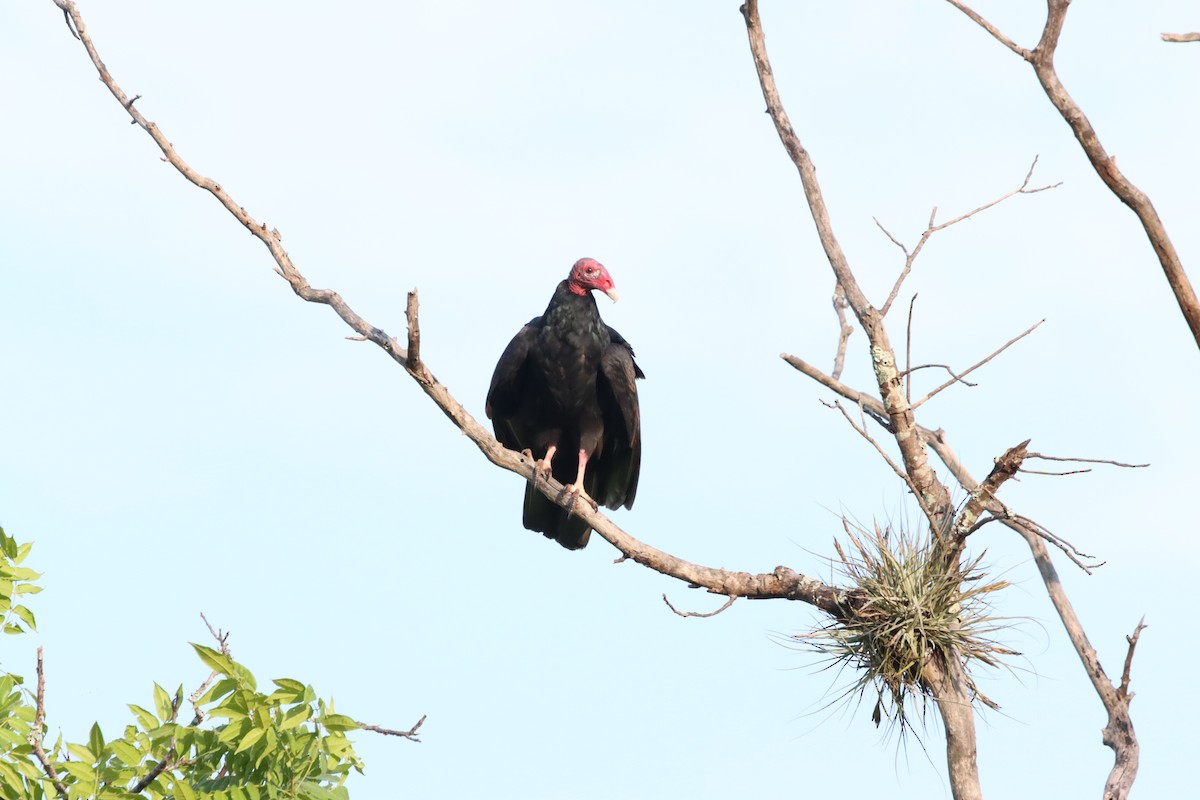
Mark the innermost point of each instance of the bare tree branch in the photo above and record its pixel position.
(993, 30)
(1069, 550)
(984, 496)
(782, 582)
(957, 378)
(932, 493)
(728, 603)
(949, 680)
(844, 329)
(410, 734)
(862, 431)
(1123, 689)
(908, 369)
(1042, 60)
(1088, 461)
(38, 731)
(1181, 37)
(978, 364)
(932, 228)
(159, 769)
(1119, 733)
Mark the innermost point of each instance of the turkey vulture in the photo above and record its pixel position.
(564, 390)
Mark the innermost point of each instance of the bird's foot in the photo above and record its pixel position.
(541, 467)
(574, 494)
(541, 471)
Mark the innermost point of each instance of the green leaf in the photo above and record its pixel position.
(12, 738)
(249, 739)
(9, 776)
(289, 691)
(339, 722)
(162, 702)
(22, 573)
(217, 691)
(216, 661)
(289, 684)
(82, 753)
(235, 706)
(270, 743)
(8, 544)
(233, 730)
(164, 731)
(245, 677)
(26, 616)
(96, 741)
(184, 791)
(147, 720)
(297, 716)
(126, 752)
(84, 776)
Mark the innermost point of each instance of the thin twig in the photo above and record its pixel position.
(38, 731)
(862, 431)
(1054, 474)
(1022, 189)
(410, 734)
(1088, 461)
(1069, 550)
(946, 367)
(979, 364)
(844, 329)
(993, 30)
(908, 352)
(698, 613)
(1123, 689)
(933, 227)
(1181, 37)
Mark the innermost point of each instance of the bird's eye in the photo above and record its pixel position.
(591, 271)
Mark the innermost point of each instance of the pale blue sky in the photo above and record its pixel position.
(179, 433)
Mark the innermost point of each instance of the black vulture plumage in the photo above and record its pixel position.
(564, 390)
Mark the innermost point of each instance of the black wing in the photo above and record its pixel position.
(621, 458)
(508, 393)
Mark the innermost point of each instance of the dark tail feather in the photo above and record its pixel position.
(546, 517)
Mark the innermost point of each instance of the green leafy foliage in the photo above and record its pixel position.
(240, 743)
(15, 581)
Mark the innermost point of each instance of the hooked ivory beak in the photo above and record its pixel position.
(612, 293)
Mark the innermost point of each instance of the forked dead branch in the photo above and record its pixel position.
(947, 682)
(1041, 58)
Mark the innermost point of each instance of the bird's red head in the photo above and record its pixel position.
(588, 274)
